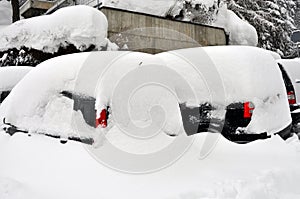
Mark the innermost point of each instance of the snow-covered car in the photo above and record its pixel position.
(9, 77)
(216, 89)
(291, 75)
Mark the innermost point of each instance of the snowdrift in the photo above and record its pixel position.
(81, 26)
(39, 167)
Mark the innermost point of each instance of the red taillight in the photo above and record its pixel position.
(291, 97)
(102, 120)
(248, 109)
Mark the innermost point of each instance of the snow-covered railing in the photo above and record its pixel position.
(93, 3)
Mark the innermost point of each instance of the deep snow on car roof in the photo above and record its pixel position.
(11, 75)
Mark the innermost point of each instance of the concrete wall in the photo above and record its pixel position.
(152, 34)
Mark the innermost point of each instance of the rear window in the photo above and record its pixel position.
(286, 79)
(3, 95)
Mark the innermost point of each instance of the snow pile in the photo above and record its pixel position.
(240, 31)
(155, 7)
(40, 167)
(10, 76)
(60, 29)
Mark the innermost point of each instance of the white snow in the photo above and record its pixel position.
(247, 74)
(292, 67)
(11, 75)
(63, 27)
(40, 167)
(39, 90)
(5, 14)
(155, 7)
(240, 31)
(275, 55)
(150, 86)
(207, 3)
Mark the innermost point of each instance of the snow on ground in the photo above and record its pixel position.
(40, 167)
(5, 14)
(10, 76)
(63, 27)
(240, 31)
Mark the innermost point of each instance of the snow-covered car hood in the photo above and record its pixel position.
(142, 83)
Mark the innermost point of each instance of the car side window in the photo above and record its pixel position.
(3, 95)
(286, 79)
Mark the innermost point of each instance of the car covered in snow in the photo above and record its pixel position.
(291, 75)
(214, 89)
(9, 77)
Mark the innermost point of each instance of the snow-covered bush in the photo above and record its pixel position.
(68, 30)
(215, 13)
(194, 11)
(273, 20)
(240, 31)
